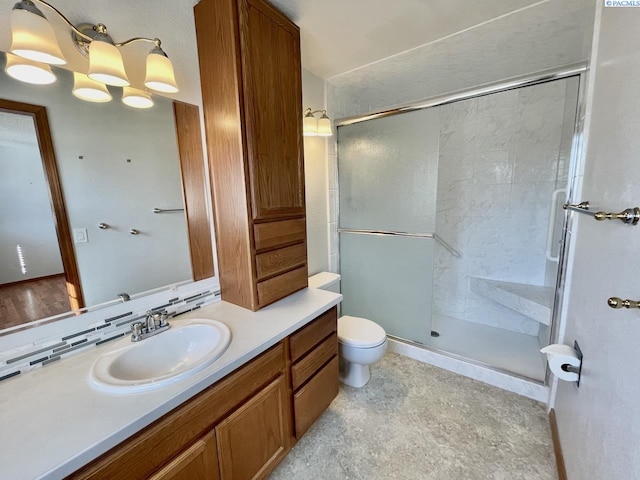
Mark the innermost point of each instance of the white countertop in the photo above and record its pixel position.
(52, 422)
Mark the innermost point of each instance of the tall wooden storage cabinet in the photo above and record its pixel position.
(252, 96)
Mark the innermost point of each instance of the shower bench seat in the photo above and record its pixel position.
(533, 301)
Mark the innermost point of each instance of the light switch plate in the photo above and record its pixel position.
(80, 235)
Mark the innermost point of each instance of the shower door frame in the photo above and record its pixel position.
(580, 71)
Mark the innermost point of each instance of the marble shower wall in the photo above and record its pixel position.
(499, 164)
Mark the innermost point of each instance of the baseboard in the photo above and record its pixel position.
(29, 280)
(557, 448)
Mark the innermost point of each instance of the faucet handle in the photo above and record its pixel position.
(164, 317)
(136, 330)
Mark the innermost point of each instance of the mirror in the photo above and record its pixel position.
(78, 192)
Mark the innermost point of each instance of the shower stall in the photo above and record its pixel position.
(451, 220)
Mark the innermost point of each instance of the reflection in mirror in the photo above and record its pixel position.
(116, 165)
(31, 260)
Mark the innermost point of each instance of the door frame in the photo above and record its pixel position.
(56, 197)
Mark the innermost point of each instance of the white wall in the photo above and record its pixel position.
(599, 422)
(315, 171)
(25, 212)
(545, 36)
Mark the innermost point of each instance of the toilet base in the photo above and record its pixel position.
(354, 374)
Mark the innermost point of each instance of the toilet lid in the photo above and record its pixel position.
(360, 332)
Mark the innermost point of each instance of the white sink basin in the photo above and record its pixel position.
(162, 359)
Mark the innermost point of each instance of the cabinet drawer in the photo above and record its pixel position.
(281, 260)
(311, 335)
(310, 364)
(314, 398)
(276, 234)
(279, 287)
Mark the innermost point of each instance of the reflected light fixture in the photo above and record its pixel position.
(89, 90)
(312, 127)
(136, 98)
(33, 38)
(29, 71)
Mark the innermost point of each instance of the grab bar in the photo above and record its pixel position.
(448, 247)
(552, 224)
(434, 236)
(167, 210)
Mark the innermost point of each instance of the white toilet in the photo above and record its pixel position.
(361, 342)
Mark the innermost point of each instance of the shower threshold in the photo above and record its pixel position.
(504, 349)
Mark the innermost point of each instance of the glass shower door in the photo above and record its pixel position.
(388, 171)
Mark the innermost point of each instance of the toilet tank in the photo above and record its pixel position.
(325, 281)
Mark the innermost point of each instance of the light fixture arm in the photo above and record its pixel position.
(71, 25)
(100, 28)
(308, 111)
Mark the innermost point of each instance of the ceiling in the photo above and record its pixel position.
(340, 35)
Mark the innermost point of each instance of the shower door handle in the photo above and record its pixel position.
(551, 224)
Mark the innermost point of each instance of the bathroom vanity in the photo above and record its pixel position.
(236, 419)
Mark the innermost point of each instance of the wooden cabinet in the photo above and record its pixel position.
(252, 101)
(184, 438)
(242, 426)
(198, 461)
(255, 438)
(314, 371)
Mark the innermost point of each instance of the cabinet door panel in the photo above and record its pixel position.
(315, 397)
(273, 113)
(255, 438)
(198, 461)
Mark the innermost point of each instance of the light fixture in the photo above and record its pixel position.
(160, 74)
(32, 36)
(136, 98)
(89, 90)
(324, 125)
(29, 71)
(312, 127)
(105, 62)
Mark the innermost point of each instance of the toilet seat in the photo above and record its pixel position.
(360, 332)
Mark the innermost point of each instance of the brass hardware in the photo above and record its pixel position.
(615, 302)
(630, 215)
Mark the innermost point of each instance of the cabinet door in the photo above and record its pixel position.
(255, 438)
(198, 461)
(273, 113)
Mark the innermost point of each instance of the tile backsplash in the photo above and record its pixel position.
(100, 327)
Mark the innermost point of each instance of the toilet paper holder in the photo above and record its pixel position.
(570, 368)
(558, 353)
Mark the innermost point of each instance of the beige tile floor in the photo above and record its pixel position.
(416, 421)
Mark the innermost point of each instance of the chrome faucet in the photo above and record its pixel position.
(154, 323)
